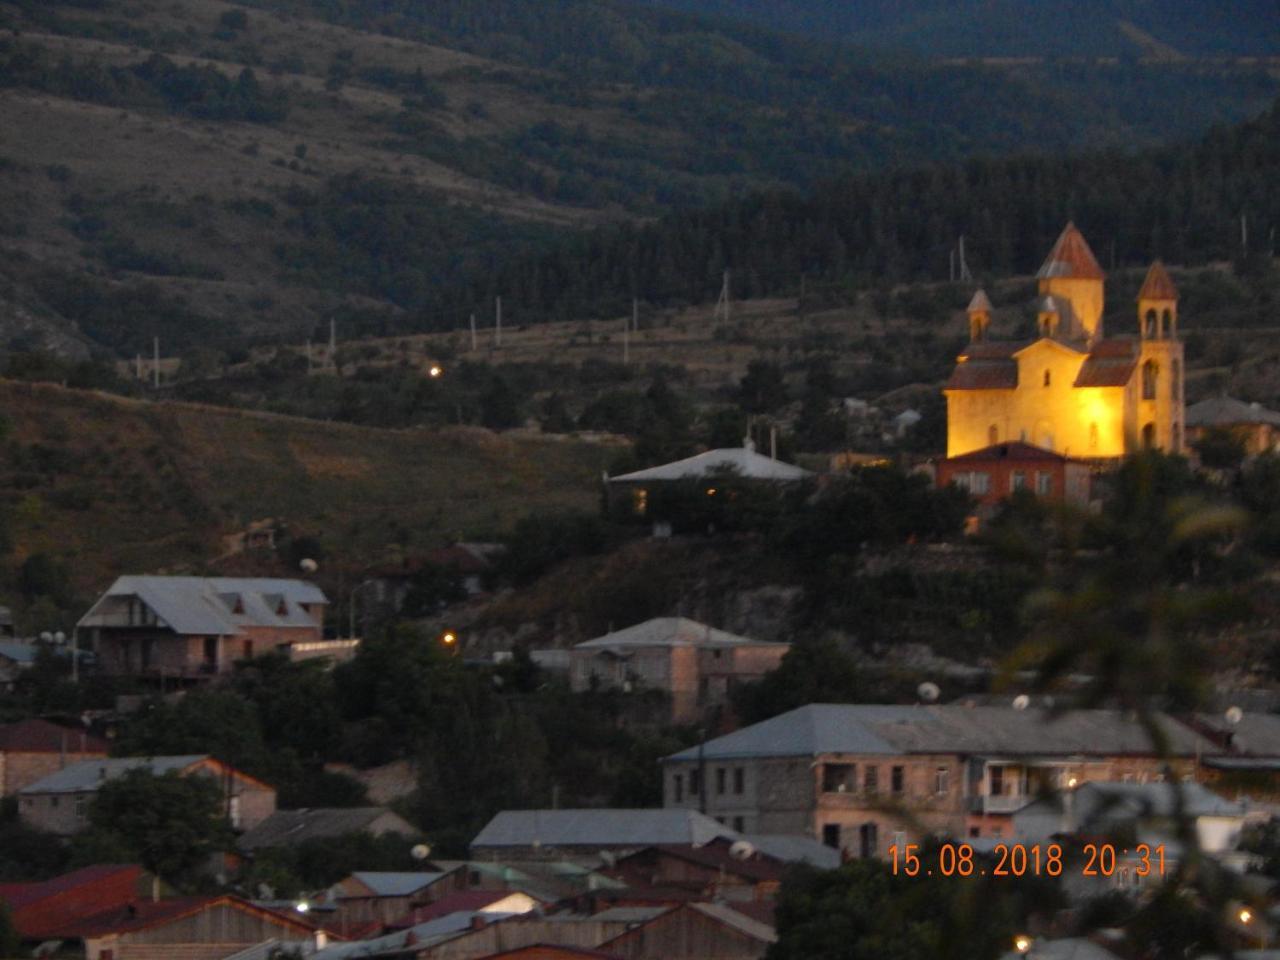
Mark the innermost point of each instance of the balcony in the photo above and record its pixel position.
(1006, 803)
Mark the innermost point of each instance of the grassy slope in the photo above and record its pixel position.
(167, 480)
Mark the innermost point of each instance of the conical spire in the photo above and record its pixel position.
(1158, 285)
(1071, 257)
(980, 303)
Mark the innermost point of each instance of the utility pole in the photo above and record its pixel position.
(952, 257)
(723, 303)
(965, 275)
(473, 333)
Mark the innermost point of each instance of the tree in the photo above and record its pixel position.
(9, 942)
(814, 670)
(171, 824)
(762, 389)
(1221, 448)
(499, 409)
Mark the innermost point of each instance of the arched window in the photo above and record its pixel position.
(1093, 436)
(1150, 373)
(1149, 324)
(1149, 436)
(1168, 323)
(1046, 378)
(993, 435)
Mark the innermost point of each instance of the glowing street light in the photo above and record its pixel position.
(1022, 943)
(1245, 915)
(435, 370)
(449, 638)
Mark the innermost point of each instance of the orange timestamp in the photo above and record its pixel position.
(1024, 860)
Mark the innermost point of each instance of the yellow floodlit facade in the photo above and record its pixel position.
(1071, 389)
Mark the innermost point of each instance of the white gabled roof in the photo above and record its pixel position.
(672, 632)
(217, 606)
(737, 461)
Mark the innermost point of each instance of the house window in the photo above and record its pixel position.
(1149, 436)
(940, 780)
(979, 482)
(996, 775)
(640, 501)
(739, 780)
(739, 824)
(871, 779)
(1150, 374)
(233, 813)
(868, 840)
(720, 780)
(1046, 378)
(1044, 483)
(831, 835)
(80, 807)
(53, 802)
(677, 787)
(839, 777)
(695, 782)
(897, 780)
(1017, 481)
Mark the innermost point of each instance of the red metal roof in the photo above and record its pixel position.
(1105, 372)
(41, 910)
(41, 736)
(1158, 285)
(1071, 257)
(145, 914)
(1013, 450)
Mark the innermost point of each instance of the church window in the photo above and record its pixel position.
(993, 435)
(1017, 481)
(1168, 323)
(1149, 436)
(1046, 378)
(1150, 373)
(1044, 483)
(1149, 324)
(1093, 436)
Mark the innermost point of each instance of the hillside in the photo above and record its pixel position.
(1020, 28)
(211, 172)
(107, 485)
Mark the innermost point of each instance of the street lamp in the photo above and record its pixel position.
(435, 370)
(1022, 943)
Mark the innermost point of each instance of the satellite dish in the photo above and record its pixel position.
(1234, 715)
(307, 565)
(420, 851)
(928, 691)
(1021, 702)
(46, 637)
(741, 850)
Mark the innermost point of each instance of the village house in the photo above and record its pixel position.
(1257, 428)
(1071, 389)
(195, 628)
(41, 910)
(697, 665)
(369, 900)
(994, 474)
(718, 870)
(630, 493)
(32, 749)
(59, 803)
(861, 778)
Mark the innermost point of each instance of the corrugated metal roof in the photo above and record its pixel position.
(738, 461)
(297, 826)
(1228, 412)
(87, 775)
(396, 884)
(216, 606)
(672, 632)
(1158, 285)
(795, 849)
(1071, 257)
(738, 921)
(630, 914)
(893, 730)
(599, 828)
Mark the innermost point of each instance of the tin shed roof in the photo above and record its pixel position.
(215, 606)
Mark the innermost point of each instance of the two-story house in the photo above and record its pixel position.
(863, 777)
(696, 664)
(191, 628)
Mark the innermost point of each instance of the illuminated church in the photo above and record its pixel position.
(1072, 390)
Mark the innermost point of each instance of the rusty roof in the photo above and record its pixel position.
(1158, 285)
(1071, 257)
